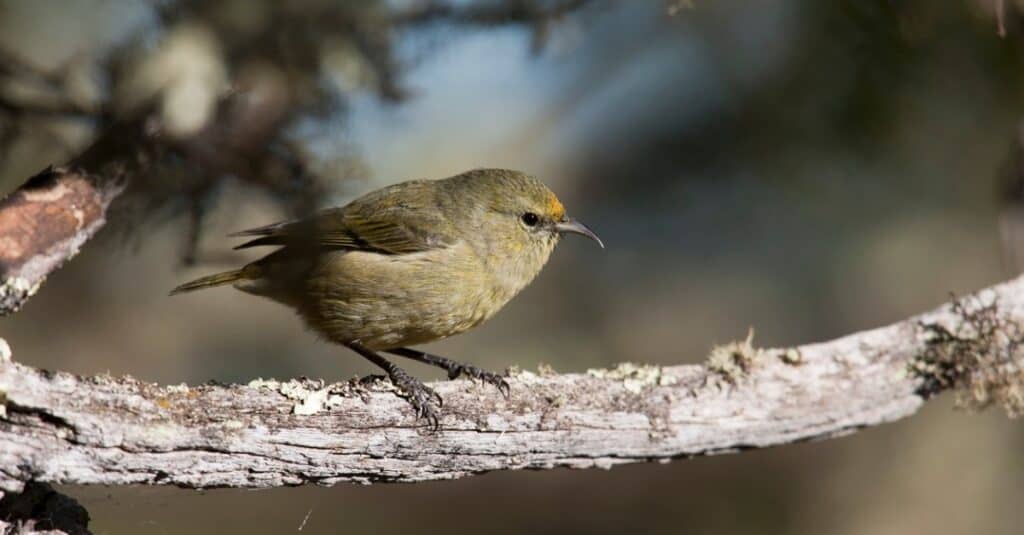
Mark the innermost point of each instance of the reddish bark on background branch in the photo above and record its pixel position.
(46, 221)
(42, 225)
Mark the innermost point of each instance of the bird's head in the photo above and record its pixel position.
(516, 221)
(520, 209)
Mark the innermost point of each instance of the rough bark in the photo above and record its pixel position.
(46, 221)
(42, 225)
(61, 428)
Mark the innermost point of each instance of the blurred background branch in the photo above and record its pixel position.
(198, 95)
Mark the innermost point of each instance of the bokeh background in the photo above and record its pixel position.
(805, 168)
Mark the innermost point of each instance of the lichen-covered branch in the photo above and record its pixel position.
(60, 428)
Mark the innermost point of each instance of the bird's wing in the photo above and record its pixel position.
(387, 221)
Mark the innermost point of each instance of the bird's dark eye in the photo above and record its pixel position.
(530, 219)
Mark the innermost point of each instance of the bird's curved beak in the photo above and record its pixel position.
(575, 227)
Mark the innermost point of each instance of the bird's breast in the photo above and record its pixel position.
(389, 301)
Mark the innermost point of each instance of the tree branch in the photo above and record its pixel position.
(45, 221)
(66, 429)
(43, 224)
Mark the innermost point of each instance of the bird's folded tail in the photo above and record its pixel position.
(210, 281)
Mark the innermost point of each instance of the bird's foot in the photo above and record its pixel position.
(456, 369)
(424, 400)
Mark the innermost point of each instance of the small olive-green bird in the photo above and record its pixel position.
(409, 264)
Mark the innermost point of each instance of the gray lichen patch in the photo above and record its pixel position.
(180, 388)
(268, 384)
(734, 360)
(635, 377)
(529, 377)
(980, 358)
(312, 396)
(14, 291)
(792, 356)
(546, 370)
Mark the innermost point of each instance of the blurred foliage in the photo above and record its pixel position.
(242, 89)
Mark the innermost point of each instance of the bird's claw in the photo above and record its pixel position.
(483, 375)
(424, 400)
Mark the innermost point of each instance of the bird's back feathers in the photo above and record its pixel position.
(404, 218)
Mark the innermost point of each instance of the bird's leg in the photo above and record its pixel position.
(454, 369)
(420, 396)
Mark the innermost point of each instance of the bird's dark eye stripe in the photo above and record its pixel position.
(530, 219)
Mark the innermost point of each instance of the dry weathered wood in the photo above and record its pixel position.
(62, 428)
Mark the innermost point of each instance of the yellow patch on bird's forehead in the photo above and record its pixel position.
(554, 207)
